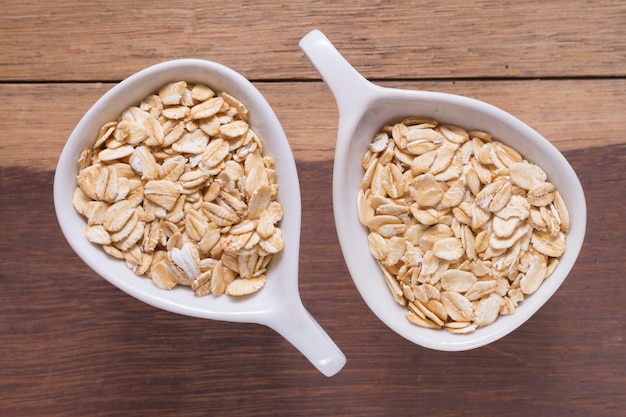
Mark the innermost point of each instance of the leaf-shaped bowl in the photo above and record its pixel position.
(364, 108)
(278, 304)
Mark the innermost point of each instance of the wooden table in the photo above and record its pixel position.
(71, 344)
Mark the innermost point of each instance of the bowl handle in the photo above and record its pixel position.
(298, 327)
(351, 90)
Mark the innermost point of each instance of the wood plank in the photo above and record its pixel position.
(573, 114)
(107, 41)
(71, 344)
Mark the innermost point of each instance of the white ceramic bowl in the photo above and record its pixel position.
(363, 109)
(278, 304)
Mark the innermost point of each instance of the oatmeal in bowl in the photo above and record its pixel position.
(414, 218)
(178, 186)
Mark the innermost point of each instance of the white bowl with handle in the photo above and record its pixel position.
(278, 304)
(364, 108)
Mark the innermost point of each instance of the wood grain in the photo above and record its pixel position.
(73, 345)
(109, 40)
(572, 114)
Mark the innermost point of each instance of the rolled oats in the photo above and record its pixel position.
(178, 188)
(462, 226)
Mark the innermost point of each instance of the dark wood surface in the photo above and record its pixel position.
(73, 345)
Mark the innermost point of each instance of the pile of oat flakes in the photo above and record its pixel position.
(178, 188)
(462, 226)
